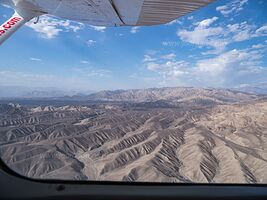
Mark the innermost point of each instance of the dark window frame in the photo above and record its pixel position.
(16, 186)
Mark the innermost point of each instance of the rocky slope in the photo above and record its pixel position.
(179, 94)
(176, 140)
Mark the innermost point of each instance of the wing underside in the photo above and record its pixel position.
(101, 12)
(114, 12)
(163, 11)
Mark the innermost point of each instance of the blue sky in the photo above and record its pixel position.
(221, 45)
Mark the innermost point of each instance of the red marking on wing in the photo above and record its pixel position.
(9, 24)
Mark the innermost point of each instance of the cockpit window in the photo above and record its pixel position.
(180, 102)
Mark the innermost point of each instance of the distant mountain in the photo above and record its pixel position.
(260, 88)
(170, 94)
(32, 92)
(49, 93)
(139, 141)
(176, 94)
(12, 91)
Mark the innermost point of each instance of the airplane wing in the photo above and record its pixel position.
(103, 12)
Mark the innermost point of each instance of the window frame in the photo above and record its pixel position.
(16, 186)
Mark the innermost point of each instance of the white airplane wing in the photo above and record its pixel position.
(102, 12)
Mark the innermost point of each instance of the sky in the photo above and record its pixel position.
(221, 45)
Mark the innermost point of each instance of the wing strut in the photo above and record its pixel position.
(15, 22)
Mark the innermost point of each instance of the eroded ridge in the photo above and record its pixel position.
(208, 137)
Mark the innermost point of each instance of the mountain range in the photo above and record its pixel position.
(185, 135)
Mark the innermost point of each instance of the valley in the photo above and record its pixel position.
(183, 135)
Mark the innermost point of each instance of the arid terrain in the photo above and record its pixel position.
(153, 135)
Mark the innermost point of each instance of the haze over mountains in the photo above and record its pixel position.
(178, 94)
(37, 93)
(150, 135)
(259, 88)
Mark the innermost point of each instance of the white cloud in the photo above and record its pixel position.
(190, 17)
(241, 31)
(170, 56)
(49, 27)
(91, 42)
(222, 9)
(258, 46)
(222, 62)
(218, 37)
(99, 28)
(135, 29)
(92, 72)
(232, 67)
(100, 72)
(35, 59)
(5, 5)
(232, 7)
(262, 31)
(176, 21)
(204, 36)
(151, 52)
(207, 22)
(148, 58)
(225, 70)
(169, 68)
(84, 62)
